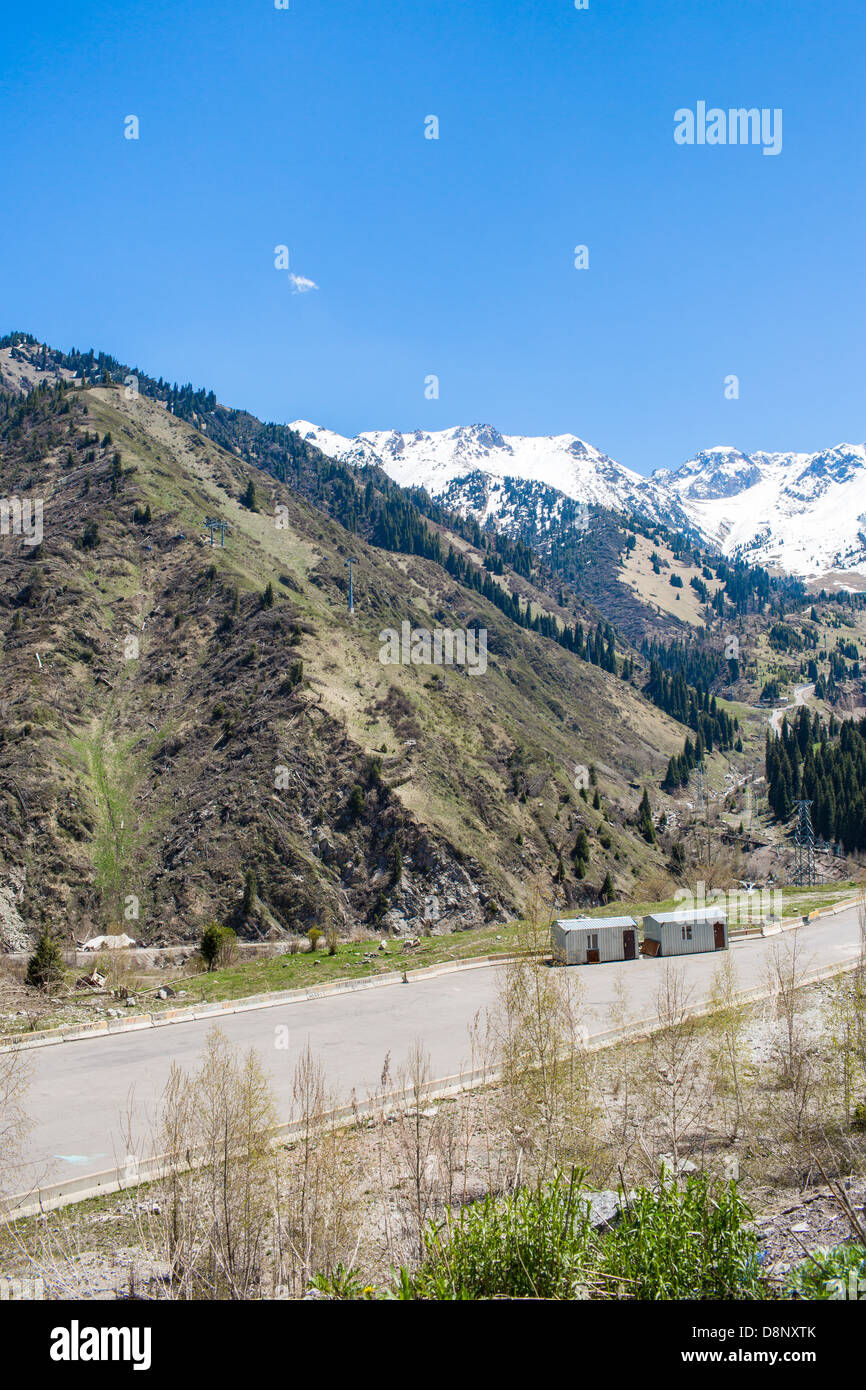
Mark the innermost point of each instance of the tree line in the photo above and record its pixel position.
(824, 763)
(693, 706)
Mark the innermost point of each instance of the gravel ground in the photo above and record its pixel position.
(788, 1233)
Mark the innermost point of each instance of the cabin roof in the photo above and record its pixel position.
(689, 914)
(594, 923)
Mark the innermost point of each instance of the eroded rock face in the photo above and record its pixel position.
(443, 898)
(14, 932)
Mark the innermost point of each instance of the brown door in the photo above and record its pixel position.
(628, 945)
(592, 957)
(719, 935)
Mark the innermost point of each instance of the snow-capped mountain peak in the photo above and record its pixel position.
(435, 460)
(804, 513)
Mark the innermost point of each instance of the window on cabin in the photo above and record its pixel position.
(592, 941)
(687, 932)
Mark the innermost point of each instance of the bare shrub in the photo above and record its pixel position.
(678, 1086)
(119, 970)
(797, 1056)
(729, 1049)
(14, 1121)
(549, 1110)
(217, 1200)
(317, 1199)
(654, 887)
(619, 1091)
(847, 1020)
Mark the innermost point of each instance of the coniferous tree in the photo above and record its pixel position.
(45, 967)
(580, 854)
(645, 819)
(831, 773)
(216, 943)
(251, 888)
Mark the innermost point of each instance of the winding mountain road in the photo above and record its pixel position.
(801, 696)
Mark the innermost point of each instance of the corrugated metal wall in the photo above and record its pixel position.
(610, 943)
(671, 936)
(558, 939)
(673, 944)
(571, 946)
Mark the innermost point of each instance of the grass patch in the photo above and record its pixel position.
(308, 968)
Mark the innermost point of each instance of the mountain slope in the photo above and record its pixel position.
(166, 727)
(446, 461)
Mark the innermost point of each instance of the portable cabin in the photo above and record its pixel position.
(685, 933)
(593, 940)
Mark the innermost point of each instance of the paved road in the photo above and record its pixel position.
(801, 697)
(80, 1091)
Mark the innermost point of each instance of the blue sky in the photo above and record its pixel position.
(305, 127)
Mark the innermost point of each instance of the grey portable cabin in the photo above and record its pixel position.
(593, 940)
(685, 933)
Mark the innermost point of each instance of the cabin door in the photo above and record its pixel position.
(628, 945)
(719, 936)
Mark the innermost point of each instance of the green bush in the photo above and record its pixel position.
(686, 1242)
(837, 1274)
(669, 1243)
(45, 967)
(532, 1244)
(342, 1283)
(217, 945)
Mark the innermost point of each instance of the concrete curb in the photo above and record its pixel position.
(196, 1013)
(149, 1170)
(831, 911)
(136, 1172)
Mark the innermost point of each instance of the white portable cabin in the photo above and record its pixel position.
(685, 933)
(593, 940)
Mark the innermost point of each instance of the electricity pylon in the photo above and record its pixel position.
(804, 844)
(215, 523)
(350, 563)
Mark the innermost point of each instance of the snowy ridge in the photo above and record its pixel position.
(802, 513)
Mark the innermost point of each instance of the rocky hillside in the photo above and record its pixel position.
(180, 720)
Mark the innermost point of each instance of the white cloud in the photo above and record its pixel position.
(300, 284)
